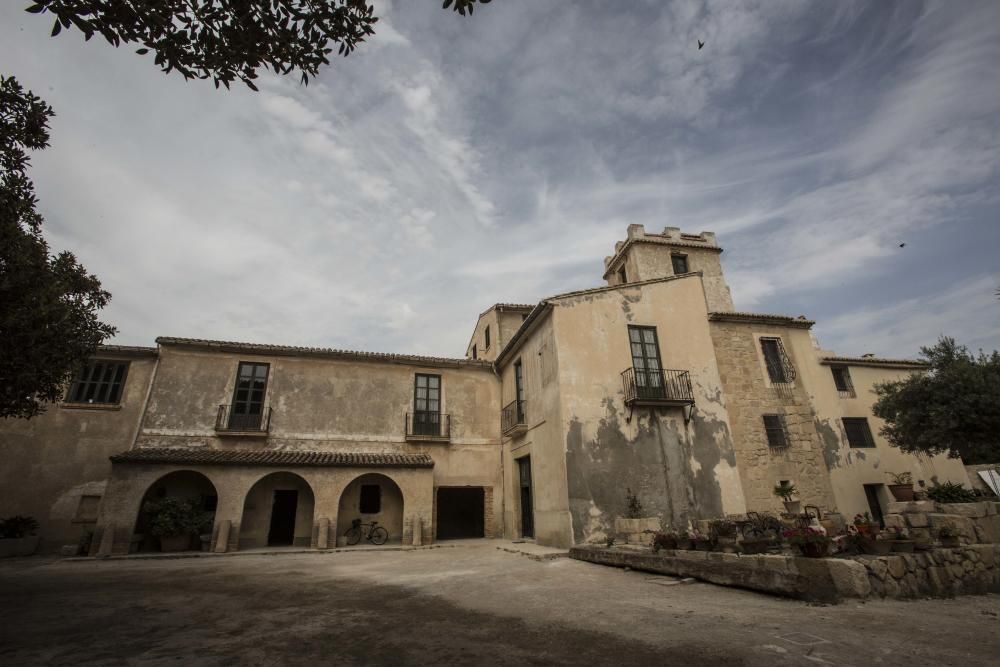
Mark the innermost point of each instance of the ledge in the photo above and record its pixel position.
(111, 407)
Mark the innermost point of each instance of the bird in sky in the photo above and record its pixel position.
(700, 44)
(902, 245)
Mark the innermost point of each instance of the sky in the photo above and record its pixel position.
(453, 162)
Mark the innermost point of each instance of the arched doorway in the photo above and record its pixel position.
(278, 511)
(371, 497)
(197, 491)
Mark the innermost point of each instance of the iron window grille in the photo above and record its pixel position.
(859, 434)
(777, 433)
(842, 379)
(512, 416)
(99, 382)
(665, 384)
(420, 425)
(235, 419)
(680, 263)
(779, 368)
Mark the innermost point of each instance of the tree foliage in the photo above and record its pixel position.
(953, 408)
(226, 40)
(48, 304)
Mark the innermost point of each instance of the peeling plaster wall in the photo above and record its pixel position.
(331, 404)
(680, 472)
(749, 396)
(52, 460)
(542, 441)
(852, 468)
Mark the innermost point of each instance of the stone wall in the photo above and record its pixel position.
(975, 523)
(748, 397)
(937, 573)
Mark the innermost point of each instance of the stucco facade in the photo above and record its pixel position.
(652, 384)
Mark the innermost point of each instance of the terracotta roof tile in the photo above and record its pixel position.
(274, 457)
(761, 318)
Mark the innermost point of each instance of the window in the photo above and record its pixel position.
(858, 432)
(519, 390)
(779, 368)
(475, 354)
(371, 499)
(646, 362)
(680, 263)
(427, 404)
(248, 397)
(622, 276)
(774, 426)
(86, 511)
(486, 339)
(842, 379)
(99, 382)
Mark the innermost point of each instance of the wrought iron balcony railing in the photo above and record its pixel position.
(422, 425)
(513, 419)
(233, 419)
(657, 387)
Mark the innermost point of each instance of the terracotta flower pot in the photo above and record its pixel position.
(903, 493)
(793, 506)
(813, 549)
(868, 529)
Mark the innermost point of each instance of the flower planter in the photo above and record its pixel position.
(903, 493)
(18, 546)
(793, 507)
(175, 543)
(813, 549)
(726, 544)
(875, 547)
(754, 546)
(903, 546)
(868, 529)
(703, 545)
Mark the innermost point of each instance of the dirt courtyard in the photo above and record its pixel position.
(458, 604)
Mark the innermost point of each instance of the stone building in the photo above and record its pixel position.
(652, 385)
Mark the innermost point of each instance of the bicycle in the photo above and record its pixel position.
(376, 533)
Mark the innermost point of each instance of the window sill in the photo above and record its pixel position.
(90, 406)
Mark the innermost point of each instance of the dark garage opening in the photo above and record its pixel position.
(460, 513)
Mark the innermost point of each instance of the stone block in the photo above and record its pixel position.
(960, 524)
(988, 529)
(971, 510)
(917, 519)
(878, 567)
(896, 566)
(895, 521)
(850, 578)
(913, 506)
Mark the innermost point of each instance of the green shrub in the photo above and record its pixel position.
(949, 492)
(18, 526)
(176, 516)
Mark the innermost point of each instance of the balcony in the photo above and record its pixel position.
(662, 387)
(512, 419)
(428, 427)
(230, 422)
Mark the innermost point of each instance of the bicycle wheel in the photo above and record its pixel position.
(379, 535)
(353, 535)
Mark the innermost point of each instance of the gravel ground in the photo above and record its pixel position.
(462, 604)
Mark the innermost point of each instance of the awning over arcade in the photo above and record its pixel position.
(274, 457)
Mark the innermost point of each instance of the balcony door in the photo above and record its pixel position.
(646, 362)
(527, 504)
(248, 398)
(427, 405)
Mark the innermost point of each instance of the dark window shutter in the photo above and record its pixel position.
(859, 434)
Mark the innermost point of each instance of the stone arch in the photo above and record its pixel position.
(278, 511)
(390, 506)
(189, 485)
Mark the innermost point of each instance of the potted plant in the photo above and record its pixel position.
(949, 537)
(18, 536)
(902, 486)
(664, 541)
(865, 526)
(175, 521)
(901, 542)
(702, 542)
(684, 541)
(785, 490)
(810, 542)
(755, 544)
(723, 531)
